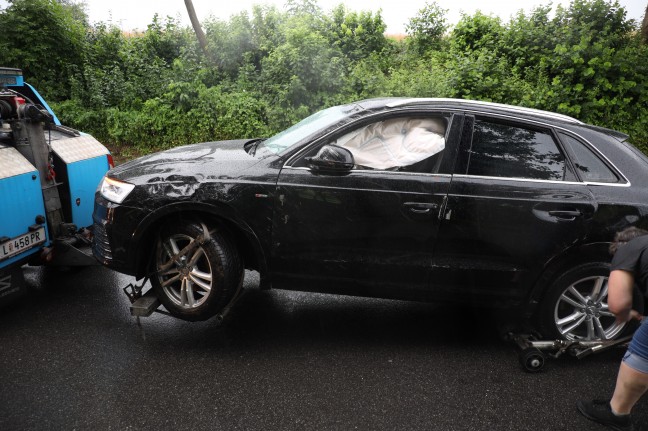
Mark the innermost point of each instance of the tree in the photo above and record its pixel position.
(44, 39)
(476, 32)
(644, 27)
(200, 34)
(427, 28)
(303, 7)
(357, 34)
(303, 74)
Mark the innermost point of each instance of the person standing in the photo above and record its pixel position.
(629, 266)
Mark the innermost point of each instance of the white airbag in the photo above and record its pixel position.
(395, 143)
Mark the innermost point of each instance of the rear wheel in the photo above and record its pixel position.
(196, 271)
(576, 308)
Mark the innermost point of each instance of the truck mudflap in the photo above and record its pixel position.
(12, 285)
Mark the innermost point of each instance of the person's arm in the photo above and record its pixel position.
(620, 285)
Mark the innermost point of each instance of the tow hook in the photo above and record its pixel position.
(134, 291)
(142, 305)
(46, 255)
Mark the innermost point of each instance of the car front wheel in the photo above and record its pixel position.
(197, 270)
(576, 306)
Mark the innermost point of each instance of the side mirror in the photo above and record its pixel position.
(332, 160)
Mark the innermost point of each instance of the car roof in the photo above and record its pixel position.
(397, 102)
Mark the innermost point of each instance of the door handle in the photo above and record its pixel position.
(420, 207)
(566, 214)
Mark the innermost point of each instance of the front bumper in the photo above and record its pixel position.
(114, 227)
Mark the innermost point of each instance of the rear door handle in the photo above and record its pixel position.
(420, 207)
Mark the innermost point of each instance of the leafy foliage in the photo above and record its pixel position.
(357, 35)
(477, 32)
(45, 40)
(269, 68)
(427, 28)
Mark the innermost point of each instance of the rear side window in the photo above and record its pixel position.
(511, 151)
(589, 166)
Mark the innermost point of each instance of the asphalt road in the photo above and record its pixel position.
(71, 357)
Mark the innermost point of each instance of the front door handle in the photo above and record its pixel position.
(566, 214)
(420, 207)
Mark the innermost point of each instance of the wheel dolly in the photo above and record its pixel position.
(532, 356)
(145, 304)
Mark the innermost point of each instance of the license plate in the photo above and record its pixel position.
(21, 243)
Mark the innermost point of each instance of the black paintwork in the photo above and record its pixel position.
(444, 236)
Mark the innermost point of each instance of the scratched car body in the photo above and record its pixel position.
(478, 204)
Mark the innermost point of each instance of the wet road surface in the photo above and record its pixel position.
(71, 357)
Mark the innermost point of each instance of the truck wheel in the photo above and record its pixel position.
(194, 281)
(575, 307)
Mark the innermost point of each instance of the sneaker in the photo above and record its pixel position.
(601, 412)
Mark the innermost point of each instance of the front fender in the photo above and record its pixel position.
(144, 235)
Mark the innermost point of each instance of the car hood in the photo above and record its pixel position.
(191, 163)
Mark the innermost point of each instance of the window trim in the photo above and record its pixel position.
(623, 179)
(526, 125)
(606, 162)
(379, 172)
(531, 180)
(455, 113)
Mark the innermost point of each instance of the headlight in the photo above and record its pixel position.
(114, 190)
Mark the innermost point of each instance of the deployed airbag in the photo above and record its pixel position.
(396, 142)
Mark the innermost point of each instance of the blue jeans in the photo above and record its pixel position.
(637, 355)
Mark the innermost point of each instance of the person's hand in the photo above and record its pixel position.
(628, 316)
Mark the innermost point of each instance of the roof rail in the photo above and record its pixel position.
(477, 103)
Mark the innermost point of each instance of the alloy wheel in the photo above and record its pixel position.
(188, 281)
(582, 313)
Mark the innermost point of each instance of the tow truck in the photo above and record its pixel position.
(48, 177)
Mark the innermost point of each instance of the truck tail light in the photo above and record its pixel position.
(19, 101)
(111, 162)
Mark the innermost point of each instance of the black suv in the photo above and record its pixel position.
(480, 204)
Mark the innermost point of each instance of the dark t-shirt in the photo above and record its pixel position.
(633, 257)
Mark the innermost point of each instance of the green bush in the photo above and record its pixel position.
(267, 70)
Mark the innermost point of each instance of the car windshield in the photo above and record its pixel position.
(306, 127)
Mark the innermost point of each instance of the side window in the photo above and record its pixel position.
(589, 166)
(403, 144)
(504, 150)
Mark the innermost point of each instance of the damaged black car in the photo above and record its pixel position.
(484, 205)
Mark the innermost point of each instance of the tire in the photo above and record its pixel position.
(201, 282)
(575, 307)
(532, 360)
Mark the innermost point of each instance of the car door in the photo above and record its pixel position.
(513, 204)
(371, 230)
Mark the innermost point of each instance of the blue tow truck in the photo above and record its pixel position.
(48, 176)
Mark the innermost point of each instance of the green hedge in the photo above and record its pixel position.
(268, 69)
